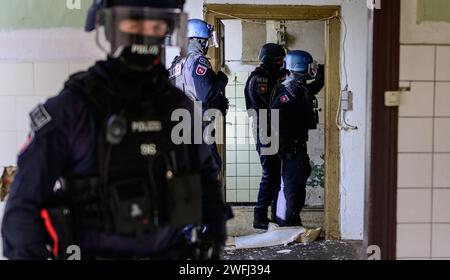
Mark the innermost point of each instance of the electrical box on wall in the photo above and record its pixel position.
(393, 98)
(347, 100)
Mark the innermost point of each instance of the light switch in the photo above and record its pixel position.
(392, 98)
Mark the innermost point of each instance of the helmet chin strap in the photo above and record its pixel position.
(300, 77)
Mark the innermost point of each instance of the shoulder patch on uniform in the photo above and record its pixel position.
(176, 71)
(262, 80)
(201, 70)
(284, 99)
(262, 85)
(205, 62)
(39, 118)
(262, 88)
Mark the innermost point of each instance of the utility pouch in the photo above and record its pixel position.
(185, 200)
(133, 211)
(312, 111)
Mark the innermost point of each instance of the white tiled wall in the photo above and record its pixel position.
(243, 169)
(423, 214)
(22, 86)
(442, 63)
(443, 98)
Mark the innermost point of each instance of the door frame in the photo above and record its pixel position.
(214, 13)
(381, 191)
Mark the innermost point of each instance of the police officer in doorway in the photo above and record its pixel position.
(100, 170)
(298, 111)
(194, 75)
(257, 96)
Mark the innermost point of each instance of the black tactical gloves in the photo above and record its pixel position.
(221, 103)
(222, 80)
(320, 73)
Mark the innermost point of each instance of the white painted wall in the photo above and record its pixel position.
(353, 144)
(34, 63)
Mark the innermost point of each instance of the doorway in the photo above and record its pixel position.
(242, 171)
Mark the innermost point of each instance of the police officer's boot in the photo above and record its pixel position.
(273, 210)
(260, 220)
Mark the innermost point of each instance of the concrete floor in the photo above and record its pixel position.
(241, 225)
(319, 250)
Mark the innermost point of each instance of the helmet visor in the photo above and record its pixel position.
(313, 68)
(213, 40)
(145, 27)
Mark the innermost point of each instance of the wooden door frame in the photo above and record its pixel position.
(381, 194)
(214, 13)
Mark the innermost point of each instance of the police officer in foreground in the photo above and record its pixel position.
(257, 96)
(298, 111)
(126, 190)
(194, 75)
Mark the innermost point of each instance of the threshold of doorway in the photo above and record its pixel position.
(242, 224)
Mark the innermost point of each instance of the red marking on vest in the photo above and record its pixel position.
(50, 230)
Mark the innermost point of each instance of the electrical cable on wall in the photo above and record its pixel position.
(264, 22)
(341, 121)
(235, 17)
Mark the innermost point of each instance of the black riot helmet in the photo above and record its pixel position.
(272, 56)
(137, 31)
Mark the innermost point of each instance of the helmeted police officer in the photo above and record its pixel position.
(194, 75)
(298, 113)
(126, 190)
(257, 96)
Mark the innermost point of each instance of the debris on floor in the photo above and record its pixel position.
(284, 251)
(231, 241)
(310, 235)
(319, 250)
(275, 235)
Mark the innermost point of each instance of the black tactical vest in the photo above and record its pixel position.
(145, 181)
(270, 84)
